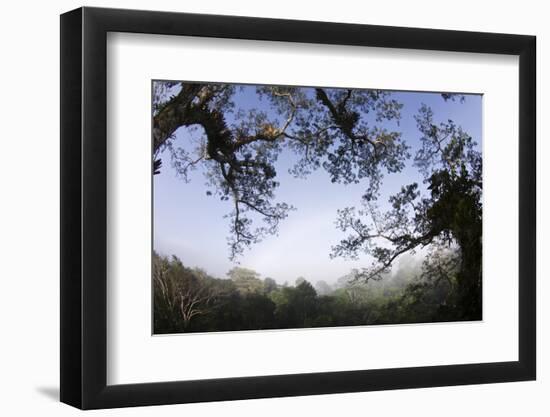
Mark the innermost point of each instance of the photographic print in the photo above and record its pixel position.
(288, 207)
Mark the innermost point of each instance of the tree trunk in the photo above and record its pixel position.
(469, 276)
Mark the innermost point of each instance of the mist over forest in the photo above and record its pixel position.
(394, 175)
(246, 300)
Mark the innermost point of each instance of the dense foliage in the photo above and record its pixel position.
(353, 136)
(190, 300)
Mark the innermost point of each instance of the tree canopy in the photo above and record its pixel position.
(190, 300)
(342, 132)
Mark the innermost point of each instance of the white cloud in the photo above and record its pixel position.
(302, 248)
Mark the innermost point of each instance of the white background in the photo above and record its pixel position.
(130, 69)
(29, 211)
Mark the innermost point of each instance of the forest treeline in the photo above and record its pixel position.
(190, 300)
(353, 136)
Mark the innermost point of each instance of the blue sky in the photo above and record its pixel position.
(191, 225)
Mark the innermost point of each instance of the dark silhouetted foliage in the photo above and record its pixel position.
(342, 132)
(227, 305)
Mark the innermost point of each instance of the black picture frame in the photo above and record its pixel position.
(84, 208)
